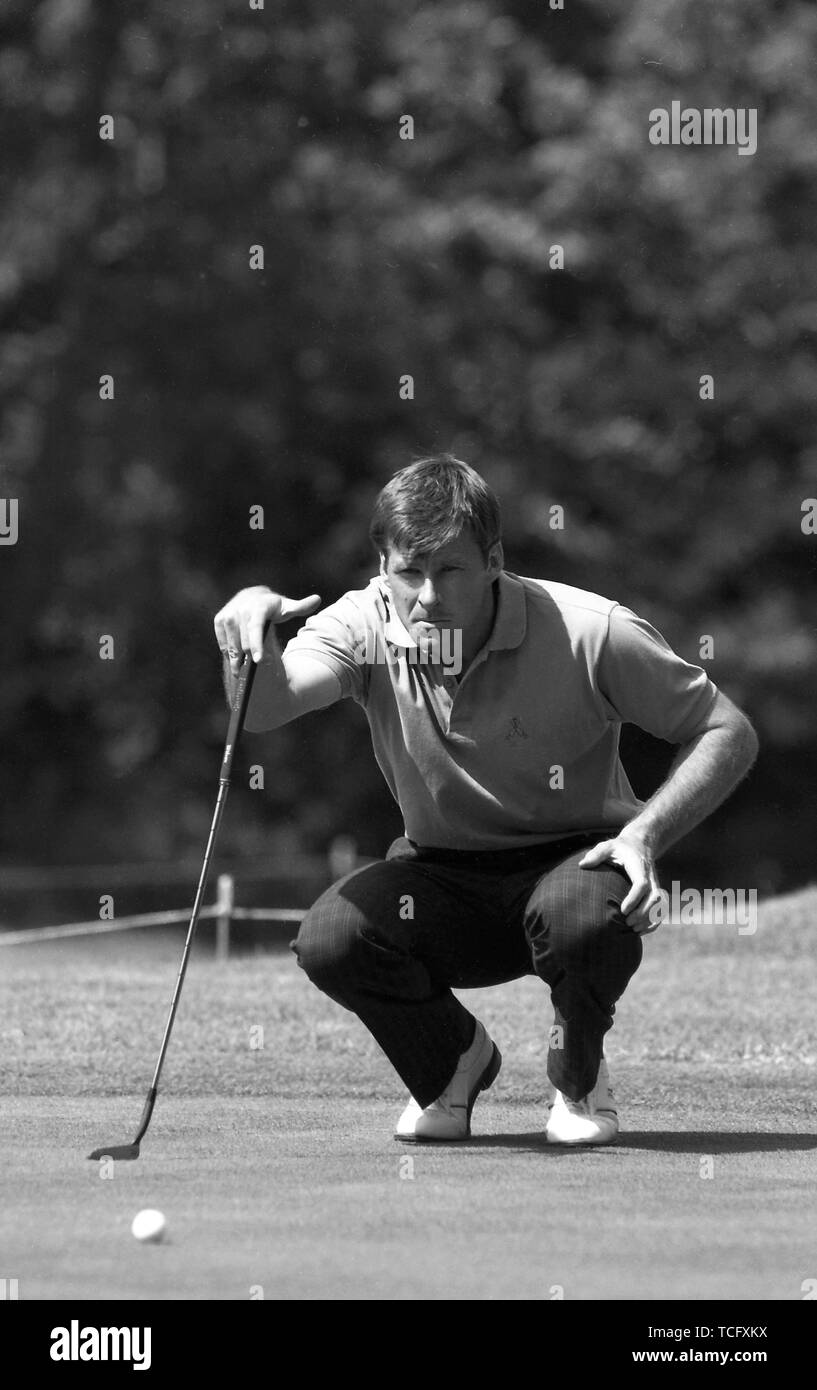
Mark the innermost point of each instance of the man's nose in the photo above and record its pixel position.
(427, 596)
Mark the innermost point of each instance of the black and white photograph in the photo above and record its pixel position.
(408, 559)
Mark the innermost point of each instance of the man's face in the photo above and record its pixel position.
(449, 588)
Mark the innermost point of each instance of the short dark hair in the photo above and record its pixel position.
(431, 502)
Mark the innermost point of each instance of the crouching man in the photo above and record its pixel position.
(495, 704)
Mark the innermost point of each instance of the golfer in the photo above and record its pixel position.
(495, 704)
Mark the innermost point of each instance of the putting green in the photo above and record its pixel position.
(271, 1155)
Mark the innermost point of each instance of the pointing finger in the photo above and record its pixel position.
(298, 607)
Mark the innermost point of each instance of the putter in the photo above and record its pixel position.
(239, 709)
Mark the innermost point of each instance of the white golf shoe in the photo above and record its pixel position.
(448, 1118)
(591, 1120)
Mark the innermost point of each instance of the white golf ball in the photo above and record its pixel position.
(149, 1225)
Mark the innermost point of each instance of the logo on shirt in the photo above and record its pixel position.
(516, 730)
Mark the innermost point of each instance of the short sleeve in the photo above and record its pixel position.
(337, 637)
(643, 681)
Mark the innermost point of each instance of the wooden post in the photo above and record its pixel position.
(225, 898)
(342, 856)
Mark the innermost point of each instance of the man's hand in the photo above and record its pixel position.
(634, 857)
(239, 625)
(705, 770)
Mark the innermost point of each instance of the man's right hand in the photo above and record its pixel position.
(240, 624)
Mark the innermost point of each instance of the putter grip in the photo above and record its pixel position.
(246, 676)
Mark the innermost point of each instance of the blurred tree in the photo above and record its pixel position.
(432, 256)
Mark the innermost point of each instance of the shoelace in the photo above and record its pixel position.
(581, 1107)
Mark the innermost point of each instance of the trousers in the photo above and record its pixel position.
(390, 941)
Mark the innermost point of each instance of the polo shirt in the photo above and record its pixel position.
(524, 749)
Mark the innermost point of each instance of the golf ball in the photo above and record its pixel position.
(149, 1225)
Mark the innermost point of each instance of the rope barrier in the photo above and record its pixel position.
(222, 910)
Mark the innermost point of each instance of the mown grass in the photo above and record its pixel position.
(276, 1166)
(86, 1017)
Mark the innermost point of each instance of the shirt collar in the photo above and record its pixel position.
(393, 629)
(510, 623)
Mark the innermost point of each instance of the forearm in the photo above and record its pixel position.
(271, 703)
(285, 685)
(703, 775)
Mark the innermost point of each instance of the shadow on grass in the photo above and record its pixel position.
(716, 1141)
(657, 1141)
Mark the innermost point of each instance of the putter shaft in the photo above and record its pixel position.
(237, 715)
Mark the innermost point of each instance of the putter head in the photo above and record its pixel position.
(116, 1151)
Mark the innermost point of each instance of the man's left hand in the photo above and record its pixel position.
(637, 861)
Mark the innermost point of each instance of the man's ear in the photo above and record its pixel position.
(496, 559)
(382, 565)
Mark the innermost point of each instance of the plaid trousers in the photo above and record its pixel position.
(389, 942)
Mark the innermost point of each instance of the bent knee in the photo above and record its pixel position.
(329, 942)
(582, 916)
(352, 923)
